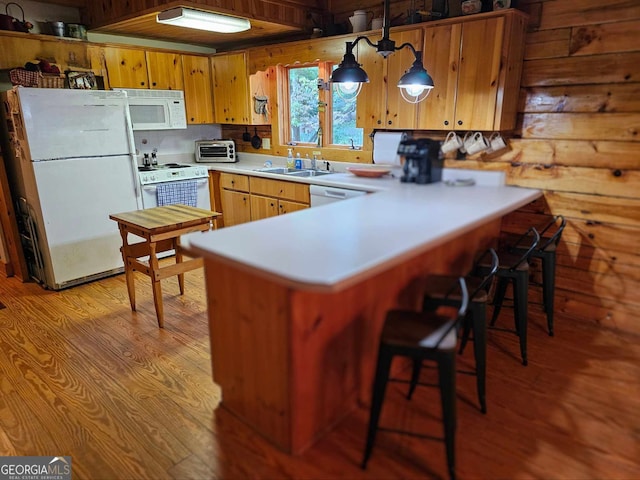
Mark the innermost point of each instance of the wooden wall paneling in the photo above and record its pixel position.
(592, 98)
(606, 38)
(618, 68)
(576, 179)
(605, 236)
(548, 43)
(579, 153)
(582, 126)
(586, 12)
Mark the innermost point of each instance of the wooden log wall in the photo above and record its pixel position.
(578, 140)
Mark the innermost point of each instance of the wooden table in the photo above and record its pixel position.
(160, 227)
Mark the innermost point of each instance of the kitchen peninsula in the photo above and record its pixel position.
(296, 302)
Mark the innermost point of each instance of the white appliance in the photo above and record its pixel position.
(321, 195)
(74, 164)
(150, 177)
(156, 109)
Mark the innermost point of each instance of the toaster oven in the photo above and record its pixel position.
(210, 151)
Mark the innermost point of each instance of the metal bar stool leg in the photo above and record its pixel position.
(379, 388)
(480, 350)
(501, 290)
(447, 380)
(520, 300)
(548, 287)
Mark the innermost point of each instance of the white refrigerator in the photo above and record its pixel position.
(75, 163)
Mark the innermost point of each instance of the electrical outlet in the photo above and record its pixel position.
(316, 152)
(266, 144)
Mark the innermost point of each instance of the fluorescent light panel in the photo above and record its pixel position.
(212, 22)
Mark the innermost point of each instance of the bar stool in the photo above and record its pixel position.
(514, 268)
(546, 252)
(439, 292)
(420, 336)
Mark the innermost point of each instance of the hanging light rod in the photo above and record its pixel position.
(201, 20)
(415, 85)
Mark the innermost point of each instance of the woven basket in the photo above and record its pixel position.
(50, 81)
(26, 78)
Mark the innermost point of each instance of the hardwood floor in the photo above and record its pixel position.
(82, 375)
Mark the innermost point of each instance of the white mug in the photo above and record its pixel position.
(451, 143)
(376, 23)
(475, 143)
(497, 142)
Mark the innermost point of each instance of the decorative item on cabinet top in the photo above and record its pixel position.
(9, 22)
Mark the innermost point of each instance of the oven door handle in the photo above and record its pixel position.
(153, 187)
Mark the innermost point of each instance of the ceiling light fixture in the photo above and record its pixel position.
(201, 20)
(415, 85)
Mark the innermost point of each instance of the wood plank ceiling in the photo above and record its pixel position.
(271, 21)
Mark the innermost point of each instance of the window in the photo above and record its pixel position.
(318, 115)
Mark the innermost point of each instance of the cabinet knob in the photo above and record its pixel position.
(272, 204)
(459, 122)
(141, 83)
(379, 122)
(154, 84)
(446, 122)
(389, 122)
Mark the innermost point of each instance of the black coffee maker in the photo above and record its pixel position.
(423, 160)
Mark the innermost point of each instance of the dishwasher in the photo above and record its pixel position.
(321, 195)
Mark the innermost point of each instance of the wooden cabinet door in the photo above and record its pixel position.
(371, 105)
(380, 104)
(164, 70)
(126, 67)
(285, 206)
(197, 89)
(230, 89)
(263, 207)
(441, 57)
(298, 192)
(236, 207)
(400, 113)
(479, 74)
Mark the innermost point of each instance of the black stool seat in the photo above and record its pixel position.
(420, 336)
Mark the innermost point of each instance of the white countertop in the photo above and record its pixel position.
(331, 247)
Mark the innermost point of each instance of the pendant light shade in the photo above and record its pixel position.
(414, 85)
(201, 20)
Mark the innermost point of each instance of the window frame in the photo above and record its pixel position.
(325, 97)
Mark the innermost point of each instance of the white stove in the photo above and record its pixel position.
(170, 172)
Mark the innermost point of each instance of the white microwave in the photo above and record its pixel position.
(156, 109)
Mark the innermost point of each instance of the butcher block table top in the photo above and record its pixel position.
(169, 218)
(161, 228)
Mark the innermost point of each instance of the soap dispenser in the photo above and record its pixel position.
(290, 163)
(298, 162)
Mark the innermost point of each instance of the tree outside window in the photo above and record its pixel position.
(314, 110)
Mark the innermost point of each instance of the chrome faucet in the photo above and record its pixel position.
(313, 162)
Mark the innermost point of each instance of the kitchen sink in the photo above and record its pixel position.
(292, 172)
(308, 173)
(281, 170)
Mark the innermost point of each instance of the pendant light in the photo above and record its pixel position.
(415, 85)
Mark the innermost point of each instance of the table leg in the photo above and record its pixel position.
(155, 284)
(128, 271)
(179, 260)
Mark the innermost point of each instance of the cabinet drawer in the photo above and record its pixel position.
(232, 181)
(298, 192)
